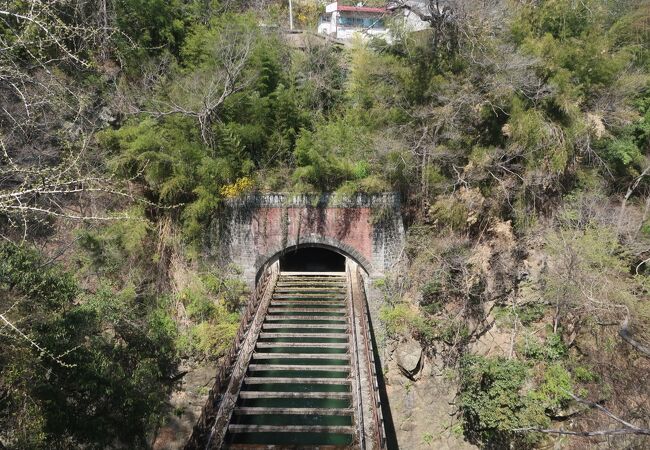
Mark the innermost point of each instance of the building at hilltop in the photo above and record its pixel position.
(342, 21)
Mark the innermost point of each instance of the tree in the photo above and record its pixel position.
(78, 369)
(47, 119)
(216, 59)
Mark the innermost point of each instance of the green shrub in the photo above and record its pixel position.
(454, 331)
(584, 374)
(432, 293)
(525, 314)
(493, 402)
(402, 320)
(551, 349)
(111, 353)
(212, 303)
(50, 288)
(531, 348)
(332, 154)
(622, 153)
(555, 347)
(553, 392)
(499, 396)
(397, 319)
(199, 307)
(450, 212)
(213, 339)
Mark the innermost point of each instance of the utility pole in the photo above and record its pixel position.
(290, 16)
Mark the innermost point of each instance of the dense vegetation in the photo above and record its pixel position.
(517, 133)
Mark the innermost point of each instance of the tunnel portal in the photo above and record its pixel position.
(257, 229)
(312, 259)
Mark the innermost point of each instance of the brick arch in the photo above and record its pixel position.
(255, 229)
(313, 241)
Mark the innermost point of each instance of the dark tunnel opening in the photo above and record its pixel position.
(312, 259)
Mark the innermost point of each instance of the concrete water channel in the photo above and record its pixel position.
(303, 374)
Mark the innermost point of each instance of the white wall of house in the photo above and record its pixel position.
(328, 22)
(336, 23)
(348, 33)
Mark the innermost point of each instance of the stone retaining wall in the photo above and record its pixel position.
(256, 229)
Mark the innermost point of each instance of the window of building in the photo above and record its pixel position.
(360, 22)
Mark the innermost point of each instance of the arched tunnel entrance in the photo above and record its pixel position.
(312, 259)
(308, 372)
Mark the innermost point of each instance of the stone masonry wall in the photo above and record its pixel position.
(257, 229)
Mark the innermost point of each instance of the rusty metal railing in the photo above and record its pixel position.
(359, 417)
(198, 439)
(366, 339)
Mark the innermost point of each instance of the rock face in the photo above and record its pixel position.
(184, 408)
(422, 409)
(409, 358)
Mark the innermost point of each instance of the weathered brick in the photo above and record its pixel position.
(257, 229)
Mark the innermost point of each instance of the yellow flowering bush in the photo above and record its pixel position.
(239, 187)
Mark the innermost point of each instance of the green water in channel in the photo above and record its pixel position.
(323, 298)
(292, 438)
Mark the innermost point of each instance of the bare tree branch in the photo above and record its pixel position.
(614, 432)
(626, 335)
(202, 93)
(38, 347)
(628, 428)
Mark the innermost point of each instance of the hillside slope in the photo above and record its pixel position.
(517, 134)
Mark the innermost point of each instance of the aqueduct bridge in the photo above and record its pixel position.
(302, 372)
